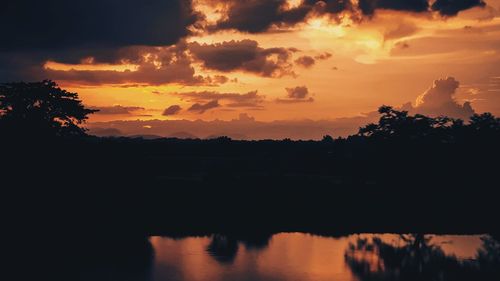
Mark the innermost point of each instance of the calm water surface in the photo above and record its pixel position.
(297, 256)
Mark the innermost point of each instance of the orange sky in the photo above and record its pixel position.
(390, 58)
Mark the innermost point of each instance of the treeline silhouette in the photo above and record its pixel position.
(407, 173)
(418, 259)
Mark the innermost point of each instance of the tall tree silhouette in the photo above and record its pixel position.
(40, 109)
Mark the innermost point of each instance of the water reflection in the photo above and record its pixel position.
(290, 256)
(295, 256)
(223, 248)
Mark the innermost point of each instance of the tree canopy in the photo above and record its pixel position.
(399, 126)
(41, 109)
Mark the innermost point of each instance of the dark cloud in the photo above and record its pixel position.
(368, 7)
(296, 95)
(149, 75)
(305, 61)
(453, 7)
(251, 99)
(259, 15)
(255, 16)
(245, 55)
(34, 32)
(61, 24)
(329, 6)
(155, 66)
(117, 110)
(172, 110)
(298, 92)
(202, 108)
(439, 100)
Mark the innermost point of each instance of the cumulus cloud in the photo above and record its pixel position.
(203, 107)
(245, 55)
(305, 61)
(117, 110)
(172, 110)
(296, 95)
(439, 100)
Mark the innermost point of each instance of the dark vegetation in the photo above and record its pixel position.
(405, 174)
(419, 259)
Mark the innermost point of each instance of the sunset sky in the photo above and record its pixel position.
(268, 59)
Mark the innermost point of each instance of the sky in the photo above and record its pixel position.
(248, 61)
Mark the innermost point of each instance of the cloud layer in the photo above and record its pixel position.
(256, 16)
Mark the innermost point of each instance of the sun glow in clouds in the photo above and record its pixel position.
(412, 48)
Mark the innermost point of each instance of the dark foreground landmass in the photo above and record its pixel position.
(82, 208)
(149, 187)
(404, 174)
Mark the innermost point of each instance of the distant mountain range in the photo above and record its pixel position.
(238, 129)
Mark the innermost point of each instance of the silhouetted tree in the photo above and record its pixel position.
(40, 109)
(485, 122)
(399, 125)
(327, 139)
(415, 259)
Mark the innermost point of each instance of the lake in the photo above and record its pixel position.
(305, 257)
